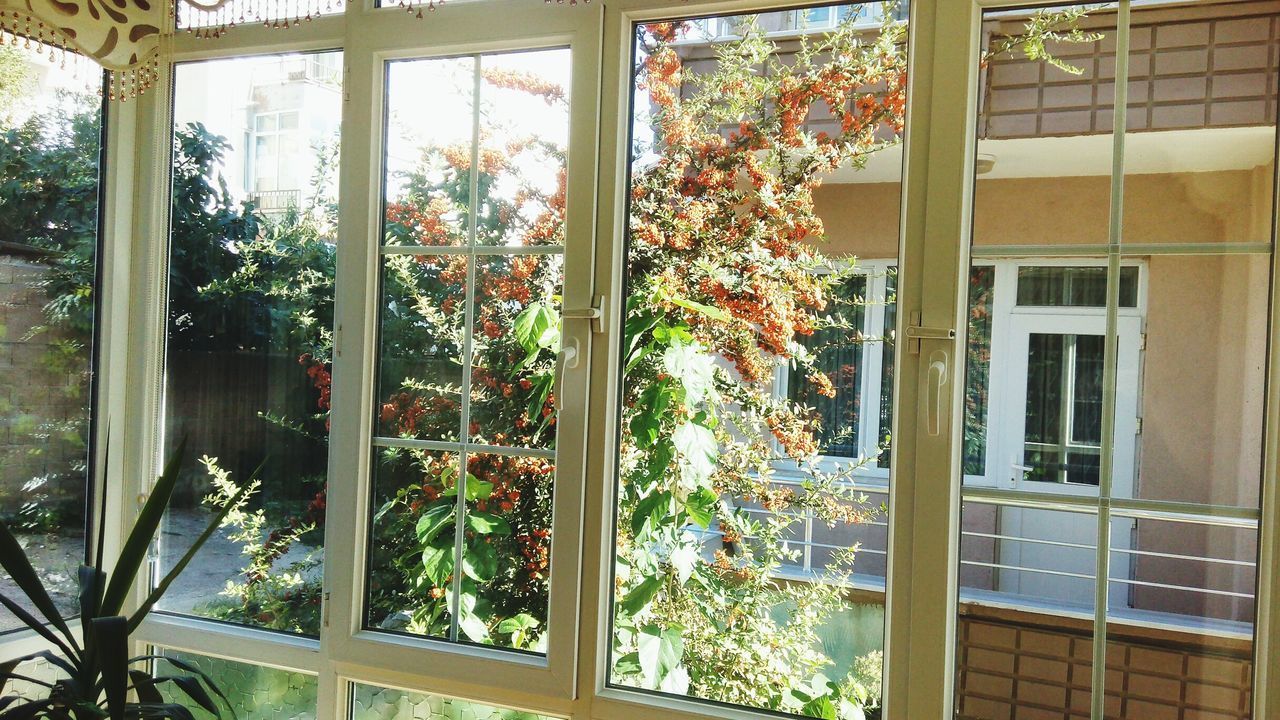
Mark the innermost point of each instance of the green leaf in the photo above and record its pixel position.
(484, 523)
(14, 560)
(437, 562)
(134, 552)
(433, 521)
(654, 504)
(698, 451)
(523, 621)
(660, 652)
(480, 562)
(640, 595)
(628, 664)
(701, 507)
(111, 645)
(714, 313)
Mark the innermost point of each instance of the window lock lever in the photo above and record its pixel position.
(917, 332)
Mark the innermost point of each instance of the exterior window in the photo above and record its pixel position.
(250, 344)
(846, 349)
(1062, 286)
(50, 127)
(472, 270)
(837, 352)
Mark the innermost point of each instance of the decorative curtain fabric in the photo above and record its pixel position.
(120, 35)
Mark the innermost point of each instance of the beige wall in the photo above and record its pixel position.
(1203, 374)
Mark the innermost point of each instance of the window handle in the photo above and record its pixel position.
(566, 359)
(1019, 471)
(937, 381)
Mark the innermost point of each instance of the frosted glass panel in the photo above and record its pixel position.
(370, 702)
(255, 692)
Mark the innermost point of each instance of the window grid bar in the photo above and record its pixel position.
(460, 515)
(467, 447)
(472, 250)
(1135, 249)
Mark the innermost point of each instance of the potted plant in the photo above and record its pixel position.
(101, 679)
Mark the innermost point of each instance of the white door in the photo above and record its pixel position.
(1051, 442)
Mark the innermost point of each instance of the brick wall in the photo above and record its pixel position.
(39, 403)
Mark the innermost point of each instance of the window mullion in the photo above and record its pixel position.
(1111, 342)
(924, 505)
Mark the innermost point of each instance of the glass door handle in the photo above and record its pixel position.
(1020, 472)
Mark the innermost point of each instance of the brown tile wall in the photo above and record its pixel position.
(1183, 74)
(1015, 667)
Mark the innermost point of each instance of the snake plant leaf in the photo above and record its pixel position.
(190, 669)
(111, 648)
(134, 552)
(161, 711)
(14, 560)
(26, 711)
(5, 669)
(215, 522)
(144, 686)
(194, 690)
(34, 623)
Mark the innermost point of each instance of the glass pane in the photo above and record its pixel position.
(247, 364)
(1180, 629)
(513, 403)
(1190, 345)
(1201, 395)
(1062, 440)
(1034, 362)
(1060, 286)
(50, 120)
(1200, 144)
(423, 320)
(427, 164)
(411, 540)
(255, 692)
(763, 225)
(1026, 612)
(468, 347)
(505, 550)
(369, 702)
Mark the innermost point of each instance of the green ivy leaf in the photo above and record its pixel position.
(640, 595)
(659, 652)
(437, 562)
(437, 517)
(480, 562)
(701, 507)
(484, 523)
